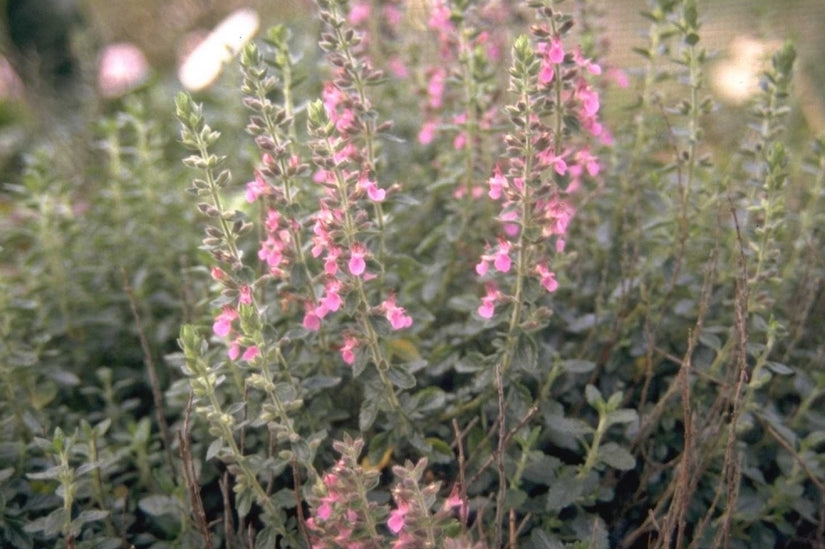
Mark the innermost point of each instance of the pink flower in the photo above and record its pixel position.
(271, 251)
(547, 73)
(460, 140)
(344, 120)
(589, 100)
(396, 521)
(331, 96)
(556, 52)
(245, 297)
(324, 510)
(396, 315)
(427, 133)
(560, 214)
(122, 68)
(331, 300)
(586, 64)
(547, 277)
(251, 353)
(502, 260)
(397, 67)
(347, 152)
(435, 87)
(589, 161)
(357, 265)
(256, 187)
(375, 193)
(331, 260)
(454, 499)
(549, 158)
(218, 274)
(440, 18)
(498, 183)
(359, 13)
(510, 227)
(311, 320)
(619, 77)
(273, 220)
(234, 351)
(483, 266)
(223, 322)
(348, 349)
(488, 303)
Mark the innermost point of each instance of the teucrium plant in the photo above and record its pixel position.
(437, 303)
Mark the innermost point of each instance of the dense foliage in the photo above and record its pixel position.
(422, 292)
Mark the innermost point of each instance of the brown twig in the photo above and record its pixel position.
(462, 485)
(296, 487)
(732, 467)
(154, 382)
(193, 487)
(527, 417)
(228, 526)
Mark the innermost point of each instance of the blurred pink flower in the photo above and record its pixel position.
(396, 315)
(122, 67)
(11, 87)
(223, 322)
(357, 265)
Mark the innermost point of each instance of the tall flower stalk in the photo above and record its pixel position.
(553, 117)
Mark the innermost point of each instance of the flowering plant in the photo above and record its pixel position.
(450, 302)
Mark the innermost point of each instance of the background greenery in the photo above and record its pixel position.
(692, 303)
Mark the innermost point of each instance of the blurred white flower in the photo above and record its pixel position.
(736, 78)
(203, 64)
(122, 67)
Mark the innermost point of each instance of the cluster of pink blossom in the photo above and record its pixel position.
(344, 125)
(224, 325)
(545, 171)
(413, 520)
(341, 515)
(454, 45)
(344, 182)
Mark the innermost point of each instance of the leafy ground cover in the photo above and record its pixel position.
(421, 292)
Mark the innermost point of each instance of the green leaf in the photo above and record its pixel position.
(6, 474)
(566, 425)
(624, 415)
(367, 415)
(514, 499)
(318, 383)
(400, 377)
(593, 396)
(91, 515)
(525, 355)
(779, 368)
(539, 539)
(541, 468)
(158, 505)
(644, 52)
(50, 473)
(243, 501)
(441, 451)
(429, 399)
(49, 526)
(214, 449)
(575, 366)
(617, 457)
(564, 491)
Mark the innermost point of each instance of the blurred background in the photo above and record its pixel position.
(52, 52)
